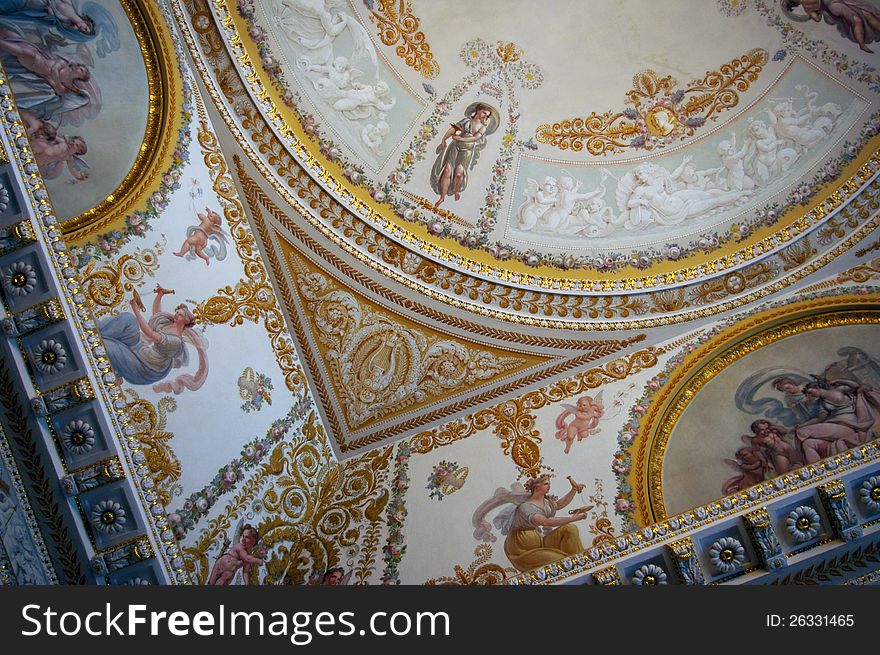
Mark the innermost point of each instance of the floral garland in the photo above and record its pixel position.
(622, 460)
(394, 548)
(106, 245)
(493, 66)
(227, 478)
(732, 7)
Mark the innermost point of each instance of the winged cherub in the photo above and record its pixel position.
(587, 413)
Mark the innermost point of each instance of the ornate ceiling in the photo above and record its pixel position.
(461, 239)
(451, 208)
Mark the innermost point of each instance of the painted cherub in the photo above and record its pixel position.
(197, 237)
(236, 556)
(587, 413)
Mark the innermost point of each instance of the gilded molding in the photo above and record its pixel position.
(380, 364)
(685, 562)
(864, 251)
(698, 518)
(861, 273)
(560, 305)
(164, 120)
(234, 88)
(252, 298)
(608, 577)
(513, 422)
(707, 361)
(256, 199)
(82, 323)
(586, 350)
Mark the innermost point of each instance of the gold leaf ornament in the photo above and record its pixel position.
(658, 113)
(397, 23)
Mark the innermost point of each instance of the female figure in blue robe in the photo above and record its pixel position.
(145, 351)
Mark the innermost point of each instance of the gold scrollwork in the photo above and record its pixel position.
(149, 421)
(397, 22)
(313, 507)
(657, 109)
(797, 254)
(733, 283)
(106, 285)
(861, 273)
(379, 365)
(513, 421)
(459, 289)
(252, 298)
(480, 572)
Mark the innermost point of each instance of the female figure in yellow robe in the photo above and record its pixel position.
(529, 545)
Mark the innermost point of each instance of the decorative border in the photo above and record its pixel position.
(368, 206)
(513, 421)
(538, 304)
(86, 329)
(679, 526)
(252, 298)
(41, 485)
(589, 349)
(669, 394)
(25, 505)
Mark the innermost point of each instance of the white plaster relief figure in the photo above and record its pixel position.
(647, 195)
(733, 173)
(808, 126)
(652, 195)
(539, 199)
(558, 206)
(363, 101)
(768, 156)
(374, 135)
(688, 177)
(562, 217)
(355, 97)
(338, 76)
(314, 25)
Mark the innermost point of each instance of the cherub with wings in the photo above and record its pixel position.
(751, 464)
(246, 552)
(197, 238)
(587, 413)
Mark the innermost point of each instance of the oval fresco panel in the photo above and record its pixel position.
(770, 404)
(91, 84)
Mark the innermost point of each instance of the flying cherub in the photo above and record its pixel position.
(241, 555)
(197, 237)
(587, 413)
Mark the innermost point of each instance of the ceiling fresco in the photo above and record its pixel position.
(101, 99)
(394, 265)
(686, 161)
